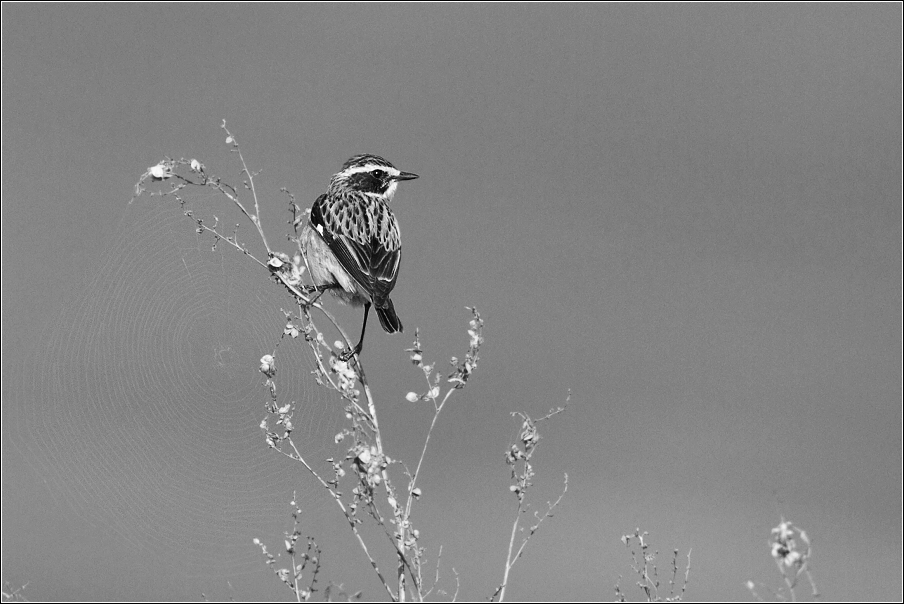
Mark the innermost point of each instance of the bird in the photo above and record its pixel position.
(352, 241)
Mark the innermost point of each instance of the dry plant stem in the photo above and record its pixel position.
(301, 594)
(420, 461)
(529, 439)
(643, 563)
(812, 584)
(687, 574)
(14, 595)
(298, 457)
(510, 561)
(806, 570)
(255, 218)
(402, 533)
(201, 227)
(791, 583)
(788, 581)
(231, 242)
(439, 558)
(295, 580)
(227, 190)
(406, 534)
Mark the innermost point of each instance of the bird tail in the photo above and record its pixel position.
(388, 319)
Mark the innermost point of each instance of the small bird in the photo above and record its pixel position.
(352, 239)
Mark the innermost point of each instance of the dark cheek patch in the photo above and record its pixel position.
(364, 181)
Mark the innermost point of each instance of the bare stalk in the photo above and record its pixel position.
(520, 454)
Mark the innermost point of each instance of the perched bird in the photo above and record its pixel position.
(352, 240)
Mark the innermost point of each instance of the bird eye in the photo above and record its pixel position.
(379, 174)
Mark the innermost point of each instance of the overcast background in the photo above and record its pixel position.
(688, 216)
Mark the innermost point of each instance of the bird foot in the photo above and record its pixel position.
(348, 353)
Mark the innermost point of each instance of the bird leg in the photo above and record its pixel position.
(346, 355)
(320, 289)
(310, 289)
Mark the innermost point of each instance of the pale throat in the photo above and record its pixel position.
(385, 195)
(390, 191)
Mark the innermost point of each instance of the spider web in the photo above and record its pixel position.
(142, 404)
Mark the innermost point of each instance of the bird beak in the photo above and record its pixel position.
(405, 176)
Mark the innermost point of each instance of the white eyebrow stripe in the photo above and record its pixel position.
(370, 168)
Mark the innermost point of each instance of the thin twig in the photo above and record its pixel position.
(420, 461)
(255, 218)
(348, 516)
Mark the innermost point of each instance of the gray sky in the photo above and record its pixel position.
(689, 216)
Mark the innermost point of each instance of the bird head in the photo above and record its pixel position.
(371, 175)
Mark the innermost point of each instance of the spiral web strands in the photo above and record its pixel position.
(140, 405)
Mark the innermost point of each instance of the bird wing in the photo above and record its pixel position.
(364, 237)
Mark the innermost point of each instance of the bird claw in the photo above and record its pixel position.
(347, 354)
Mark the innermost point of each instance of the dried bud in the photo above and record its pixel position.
(159, 171)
